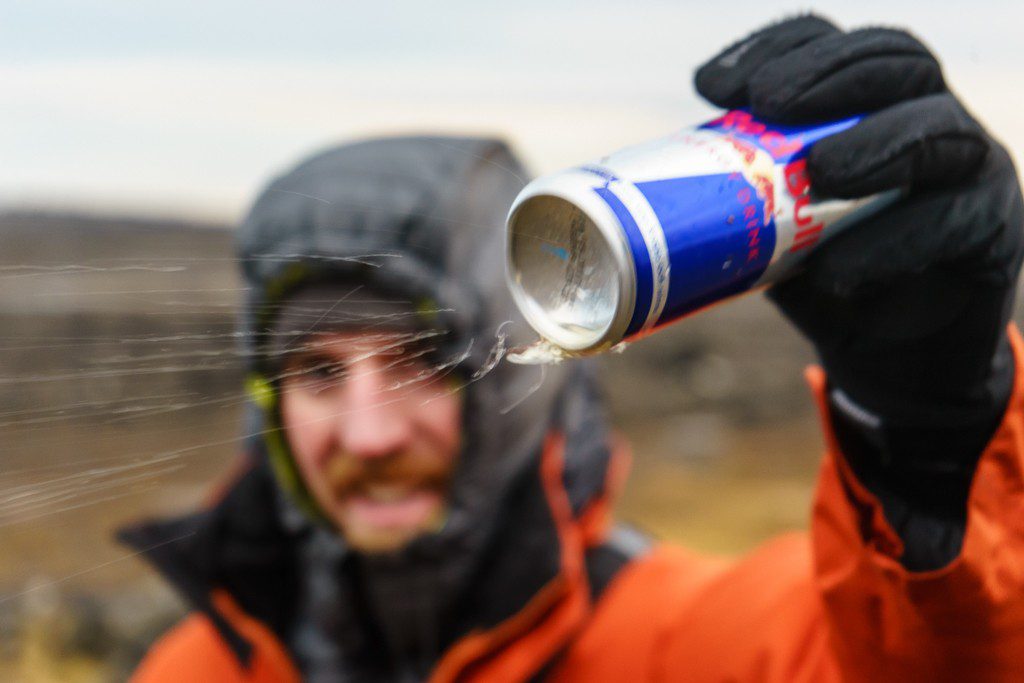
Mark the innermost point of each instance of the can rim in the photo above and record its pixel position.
(576, 187)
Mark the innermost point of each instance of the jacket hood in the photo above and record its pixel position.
(422, 219)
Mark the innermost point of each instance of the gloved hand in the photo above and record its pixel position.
(907, 310)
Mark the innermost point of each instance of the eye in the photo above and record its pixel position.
(412, 367)
(316, 373)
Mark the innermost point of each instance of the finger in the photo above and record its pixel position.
(923, 144)
(850, 284)
(868, 257)
(916, 306)
(723, 80)
(977, 231)
(843, 74)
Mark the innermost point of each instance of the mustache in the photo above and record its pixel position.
(347, 474)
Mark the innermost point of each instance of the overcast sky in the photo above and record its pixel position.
(186, 108)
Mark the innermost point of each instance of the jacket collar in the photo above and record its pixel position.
(530, 587)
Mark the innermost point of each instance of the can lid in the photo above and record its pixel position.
(565, 274)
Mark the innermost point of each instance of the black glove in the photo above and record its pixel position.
(907, 310)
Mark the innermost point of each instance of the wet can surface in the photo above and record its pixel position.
(609, 251)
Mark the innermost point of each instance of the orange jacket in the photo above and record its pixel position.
(834, 605)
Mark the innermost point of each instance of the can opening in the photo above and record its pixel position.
(562, 272)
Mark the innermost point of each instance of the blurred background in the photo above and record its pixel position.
(132, 136)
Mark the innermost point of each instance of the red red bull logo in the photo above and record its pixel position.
(808, 230)
(773, 141)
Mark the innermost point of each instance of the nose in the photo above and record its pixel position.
(375, 420)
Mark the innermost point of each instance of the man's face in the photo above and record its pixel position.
(375, 433)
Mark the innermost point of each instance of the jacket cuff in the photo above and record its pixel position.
(911, 484)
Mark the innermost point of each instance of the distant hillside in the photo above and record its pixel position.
(66, 262)
(84, 302)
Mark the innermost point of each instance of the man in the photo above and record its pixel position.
(413, 510)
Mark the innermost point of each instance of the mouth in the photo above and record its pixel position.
(393, 508)
(380, 507)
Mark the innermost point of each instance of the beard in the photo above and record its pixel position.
(409, 470)
(380, 504)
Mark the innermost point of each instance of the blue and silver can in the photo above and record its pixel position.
(610, 251)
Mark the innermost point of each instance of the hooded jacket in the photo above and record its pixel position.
(419, 219)
(529, 580)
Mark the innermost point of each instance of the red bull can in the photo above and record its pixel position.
(609, 251)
